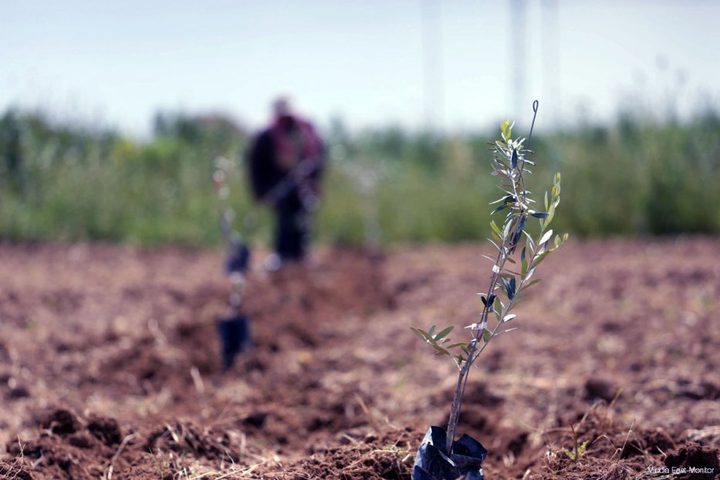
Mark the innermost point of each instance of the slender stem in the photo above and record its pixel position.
(471, 356)
(456, 404)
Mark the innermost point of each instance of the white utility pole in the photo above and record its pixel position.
(517, 33)
(433, 88)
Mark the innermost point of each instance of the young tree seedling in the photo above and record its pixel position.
(519, 252)
(234, 330)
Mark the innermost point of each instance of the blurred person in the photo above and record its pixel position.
(286, 162)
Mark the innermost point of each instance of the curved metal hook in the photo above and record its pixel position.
(535, 107)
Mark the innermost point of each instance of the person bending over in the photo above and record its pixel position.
(286, 162)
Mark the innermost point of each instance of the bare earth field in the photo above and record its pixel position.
(109, 364)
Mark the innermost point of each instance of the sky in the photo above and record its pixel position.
(445, 64)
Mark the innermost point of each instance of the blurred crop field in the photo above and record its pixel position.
(637, 176)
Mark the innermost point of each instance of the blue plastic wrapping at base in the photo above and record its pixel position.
(238, 259)
(234, 335)
(432, 461)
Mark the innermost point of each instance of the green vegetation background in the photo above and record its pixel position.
(637, 176)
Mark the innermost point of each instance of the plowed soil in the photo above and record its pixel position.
(109, 364)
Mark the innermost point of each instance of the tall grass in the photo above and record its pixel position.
(634, 177)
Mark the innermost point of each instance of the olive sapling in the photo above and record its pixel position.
(519, 250)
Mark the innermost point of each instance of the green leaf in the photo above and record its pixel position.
(497, 311)
(506, 130)
(420, 333)
(486, 335)
(530, 240)
(577, 452)
(500, 208)
(509, 225)
(583, 446)
(539, 258)
(530, 272)
(444, 333)
(496, 230)
(545, 237)
(503, 199)
(549, 219)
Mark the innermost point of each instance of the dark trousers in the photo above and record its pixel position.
(291, 232)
